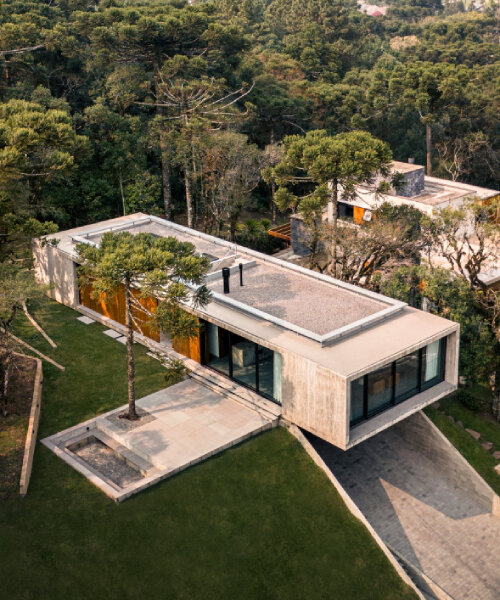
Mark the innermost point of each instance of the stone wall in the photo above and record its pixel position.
(414, 183)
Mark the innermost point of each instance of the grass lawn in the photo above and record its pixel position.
(258, 521)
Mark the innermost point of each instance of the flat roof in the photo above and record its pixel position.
(377, 340)
(310, 304)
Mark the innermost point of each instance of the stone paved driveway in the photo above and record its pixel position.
(441, 529)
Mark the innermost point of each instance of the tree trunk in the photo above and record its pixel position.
(335, 194)
(122, 194)
(6, 361)
(132, 414)
(273, 204)
(428, 142)
(165, 175)
(189, 197)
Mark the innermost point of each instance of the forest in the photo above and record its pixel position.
(190, 110)
(116, 106)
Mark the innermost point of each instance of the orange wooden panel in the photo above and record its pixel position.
(145, 325)
(358, 214)
(190, 347)
(113, 307)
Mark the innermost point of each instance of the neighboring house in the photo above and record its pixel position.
(342, 362)
(427, 194)
(372, 10)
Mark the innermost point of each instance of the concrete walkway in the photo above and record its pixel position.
(190, 421)
(445, 531)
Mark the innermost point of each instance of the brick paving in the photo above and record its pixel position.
(417, 510)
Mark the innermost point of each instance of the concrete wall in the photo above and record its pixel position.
(413, 185)
(315, 398)
(298, 235)
(56, 268)
(420, 433)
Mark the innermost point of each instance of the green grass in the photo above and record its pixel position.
(95, 377)
(257, 522)
(484, 424)
(471, 450)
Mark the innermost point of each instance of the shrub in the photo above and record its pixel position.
(176, 371)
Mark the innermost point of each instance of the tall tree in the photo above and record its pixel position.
(17, 286)
(320, 168)
(145, 266)
(431, 90)
(192, 103)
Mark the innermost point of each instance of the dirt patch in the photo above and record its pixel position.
(13, 428)
(119, 420)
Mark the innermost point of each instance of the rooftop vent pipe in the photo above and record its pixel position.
(411, 160)
(225, 276)
(241, 273)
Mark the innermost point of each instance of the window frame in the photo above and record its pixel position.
(395, 400)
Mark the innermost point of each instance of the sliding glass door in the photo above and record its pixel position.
(244, 361)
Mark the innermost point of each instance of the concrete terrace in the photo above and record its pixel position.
(181, 425)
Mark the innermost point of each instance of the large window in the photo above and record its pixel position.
(401, 379)
(246, 362)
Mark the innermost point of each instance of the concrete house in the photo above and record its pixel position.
(427, 194)
(341, 362)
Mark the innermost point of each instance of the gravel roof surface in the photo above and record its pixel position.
(315, 305)
(164, 231)
(303, 300)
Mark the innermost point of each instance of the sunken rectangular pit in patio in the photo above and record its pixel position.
(108, 462)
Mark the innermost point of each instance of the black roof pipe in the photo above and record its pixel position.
(225, 277)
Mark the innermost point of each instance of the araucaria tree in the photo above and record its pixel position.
(319, 168)
(144, 266)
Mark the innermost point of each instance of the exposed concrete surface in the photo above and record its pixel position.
(442, 529)
(191, 422)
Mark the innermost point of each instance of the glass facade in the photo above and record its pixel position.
(397, 381)
(246, 362)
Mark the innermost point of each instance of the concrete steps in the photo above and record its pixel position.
(218, 383)
(120, 437)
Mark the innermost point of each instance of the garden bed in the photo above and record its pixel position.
(14, 427)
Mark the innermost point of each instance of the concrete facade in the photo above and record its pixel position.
(317, 369)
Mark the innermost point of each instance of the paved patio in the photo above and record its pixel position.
(445, 531)
(183, 424)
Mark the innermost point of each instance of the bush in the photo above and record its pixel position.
(176, 371)
(471, 401)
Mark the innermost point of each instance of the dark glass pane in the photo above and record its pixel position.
(357, 394)
(217, 348)
(379, 389)
(265, 359)
(407, 376)
(244, 367)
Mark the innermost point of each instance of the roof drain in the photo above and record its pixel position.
(241, 273)
(225, 276)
